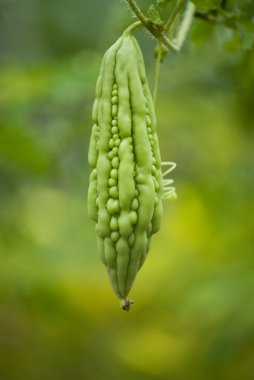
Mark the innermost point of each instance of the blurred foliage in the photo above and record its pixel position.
(193, 316)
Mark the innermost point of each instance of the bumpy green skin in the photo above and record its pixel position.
(124, 196)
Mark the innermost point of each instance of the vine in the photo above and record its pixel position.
(157, 71)
(162, 33)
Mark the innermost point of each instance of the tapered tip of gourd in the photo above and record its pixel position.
(126, 304)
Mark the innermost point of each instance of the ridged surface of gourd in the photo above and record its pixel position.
(124, 195)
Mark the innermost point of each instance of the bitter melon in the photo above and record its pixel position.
(126, 182)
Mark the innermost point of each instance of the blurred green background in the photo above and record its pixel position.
(193, 316)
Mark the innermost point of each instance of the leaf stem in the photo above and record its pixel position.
(160, 35)
(180, 4)
(132, 27)
(151, 28)
(185, 25)
(157, 72)
(140, 15)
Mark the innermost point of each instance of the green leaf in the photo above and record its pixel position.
(238, 17)
(202, 33)
(154, 17)
(207, 4)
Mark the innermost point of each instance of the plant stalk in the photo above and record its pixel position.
(180, 4)
(185, 25)
(157, 34)
(157, 73)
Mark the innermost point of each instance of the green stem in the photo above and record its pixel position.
(160, 35)
(157, 34)
(180, 4)
(176, 45)
(185, 25)
(132, 27)
(157, 73)
(140, 15)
